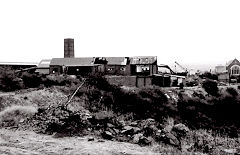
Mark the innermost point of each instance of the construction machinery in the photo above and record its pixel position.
(185, 70)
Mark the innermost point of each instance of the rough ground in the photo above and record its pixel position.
(24, 141)
(27, 142)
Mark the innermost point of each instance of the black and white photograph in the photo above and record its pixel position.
(119, 77)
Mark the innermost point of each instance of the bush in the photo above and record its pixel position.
(54, 80)
(9, 80)
(209, 75)
(31, 80)
(100, 82)
(232, 91)
(143, 103)
(192, 111)
(149, 102)
(210, 87)
(219, 113)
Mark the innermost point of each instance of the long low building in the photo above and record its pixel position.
(18, 65)
(140, 65)
(74, 66)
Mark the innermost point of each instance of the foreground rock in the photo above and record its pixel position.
(180, 129)
(107, 135)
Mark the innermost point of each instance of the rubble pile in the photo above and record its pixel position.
(58, 119)
(142, 132)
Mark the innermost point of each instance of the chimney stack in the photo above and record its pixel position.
(68, 48)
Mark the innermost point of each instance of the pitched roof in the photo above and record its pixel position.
(143, 60)
(44, 63)
(87, 61)
(231, 61)
(220, 69)
(116, 60)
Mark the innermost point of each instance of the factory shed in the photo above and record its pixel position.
(18, 65)
(43, 66)
(143, 65)
(75, 66)
(117, 66)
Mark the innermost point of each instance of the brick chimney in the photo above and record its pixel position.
(68, 48)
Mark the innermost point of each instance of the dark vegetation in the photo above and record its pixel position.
(208, 75)
(210, 86)
(11, 80)
(218, 111)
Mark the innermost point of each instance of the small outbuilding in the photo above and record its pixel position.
(143, 65)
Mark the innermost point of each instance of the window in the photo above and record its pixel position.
(122, 68)
(55, 70)
(145, 68)
(235, 69)
(142, 68)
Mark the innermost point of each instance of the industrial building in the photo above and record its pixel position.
(137, 71)
(43, 66)
(18, 65)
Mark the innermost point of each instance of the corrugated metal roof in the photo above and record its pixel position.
(44, 63)
(87, 61)
(19, 63)
(116, 60)
(143, 60)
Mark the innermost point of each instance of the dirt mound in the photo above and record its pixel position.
(12, 116)
(33, 97)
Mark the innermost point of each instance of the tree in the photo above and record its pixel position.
(210, 86)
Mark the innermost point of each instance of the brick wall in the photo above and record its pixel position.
(122, 80)
(131, 81)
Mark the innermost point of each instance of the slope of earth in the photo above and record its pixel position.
(25, 141)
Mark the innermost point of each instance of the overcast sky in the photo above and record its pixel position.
(186, 31)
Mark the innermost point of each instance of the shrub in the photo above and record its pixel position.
(59, 80)
(219, 113)
(232, 91)
(100, 82)
(209, 75)
(54, 80)
(31, 80)
(192, 111)
(9, 80)
(145, 103)
(210, 87)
